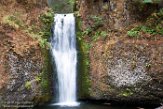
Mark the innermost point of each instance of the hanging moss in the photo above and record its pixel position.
(83, 63)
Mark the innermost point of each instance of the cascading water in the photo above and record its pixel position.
(65, 57)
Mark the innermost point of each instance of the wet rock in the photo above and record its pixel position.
(161, 107)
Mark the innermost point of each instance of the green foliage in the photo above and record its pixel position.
(105, 6)
(155, 21)
(96, 18)
(127, 92)
(44, 33)
(13, 20)
(45, 75)
(71, 2)
(47, 17)
(38, 78)
(159, 29)
(86, 47)
(99, 34)
(147, 1)
(104, 34)
(28, 85)
(148, 30)
(133, 32)
(45, 84)
(44, 43)
(87, 31)
(77, 14)
(147, 65)
(96, 36)
(98, 21)
(30, 29)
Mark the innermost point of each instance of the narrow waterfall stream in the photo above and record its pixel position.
(65, 57)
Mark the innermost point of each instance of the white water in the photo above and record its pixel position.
(65, 56)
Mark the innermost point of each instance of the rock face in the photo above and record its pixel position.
(116, 14)
(22, 61)
(122, 68)
(64, 6)
(128, 70)
(19, 70)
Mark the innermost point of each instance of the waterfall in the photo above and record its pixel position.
(65, 56)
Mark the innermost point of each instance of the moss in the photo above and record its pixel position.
(38, 78)
(42, 99)
(126, 93)
(28, 85)
(47, 20)
(84, 79)
(46, 74)
(13, 21)
(45, 79)
(152, 26)
(83, 65)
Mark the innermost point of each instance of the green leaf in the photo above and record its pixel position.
(147, 1)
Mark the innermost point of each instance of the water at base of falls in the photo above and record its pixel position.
(89, 105)
(67, 104)
(65, 56)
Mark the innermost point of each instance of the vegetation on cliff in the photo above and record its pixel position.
(119, 35)
(25, 30)
(120, 49)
